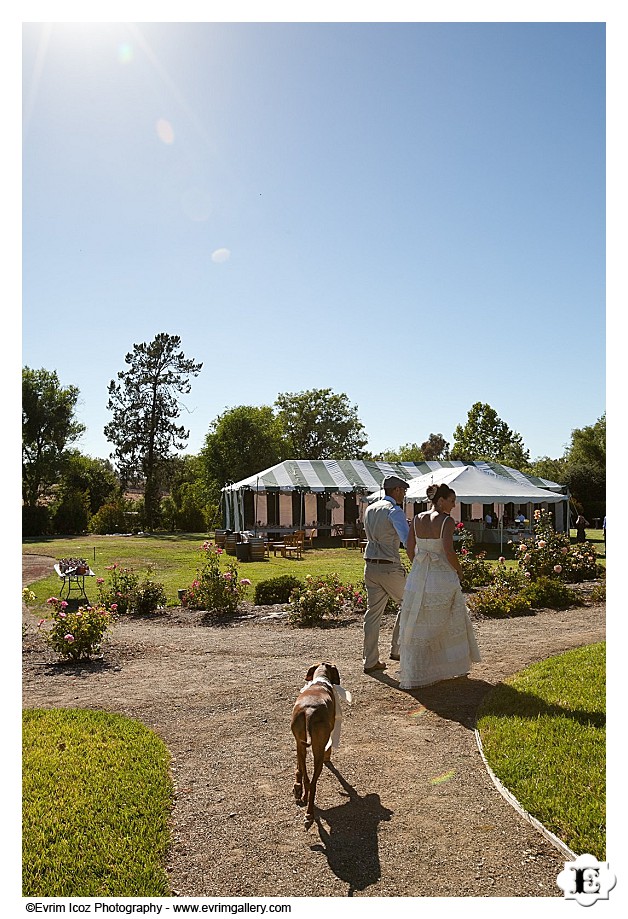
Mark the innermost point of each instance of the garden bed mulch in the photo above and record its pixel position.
(407, 808)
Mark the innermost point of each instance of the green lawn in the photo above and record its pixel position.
(544, 736)
(175, 560)
(96, 804)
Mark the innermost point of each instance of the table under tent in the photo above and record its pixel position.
(327, 498)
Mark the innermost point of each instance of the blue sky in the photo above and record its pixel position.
(411, 213)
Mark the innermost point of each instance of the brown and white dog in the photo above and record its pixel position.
(313, 720)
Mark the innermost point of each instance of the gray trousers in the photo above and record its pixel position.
(382, 582)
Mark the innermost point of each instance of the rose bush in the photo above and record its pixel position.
(77, 633)
(213, 589)
(551, 554)
(323, 599)
(129, 593)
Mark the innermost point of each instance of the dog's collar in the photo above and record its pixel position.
(323, 679)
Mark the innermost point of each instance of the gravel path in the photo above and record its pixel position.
(407, 808)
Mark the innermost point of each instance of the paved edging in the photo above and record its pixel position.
(510, 798)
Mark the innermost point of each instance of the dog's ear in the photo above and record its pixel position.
(334, 675)
(310, 673)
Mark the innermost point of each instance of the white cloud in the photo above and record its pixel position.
(221, 255)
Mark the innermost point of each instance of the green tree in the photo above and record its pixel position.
(71, 513)
(95, 477)
(588, 445)
(48, 427)
(240, 442)
(145, 407)
(435, 448)
(190, 495)
(486, 437)
(320, 424)
(554, 470)
(408, 453)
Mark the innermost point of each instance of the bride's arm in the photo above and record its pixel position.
(411, 544)
(448, 545)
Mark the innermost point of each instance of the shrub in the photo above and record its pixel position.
(71, 514)
(475, 571)
(215, 590)
(35, 520)
(550, 554)
(549, 593)
(121, 591)
(321, 600)
(130, 595)
(149, 596)
(276, 590)
(108, 519)
(76, 633)
(499, 602)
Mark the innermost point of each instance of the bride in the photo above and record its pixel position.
(437, 641)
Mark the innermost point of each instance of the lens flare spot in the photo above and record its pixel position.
(445, 777)
(417, 712)
(221, 255)
(164, 131)
(125, 53)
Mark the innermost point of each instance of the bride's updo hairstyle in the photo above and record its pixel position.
(436, 492)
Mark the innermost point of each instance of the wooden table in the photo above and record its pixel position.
(350, 543)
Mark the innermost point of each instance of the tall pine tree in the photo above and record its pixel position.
(145, 407)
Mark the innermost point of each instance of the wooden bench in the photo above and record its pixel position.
(350, 543)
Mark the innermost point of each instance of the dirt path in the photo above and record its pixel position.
(407, 808)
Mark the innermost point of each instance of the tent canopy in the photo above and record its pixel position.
(338, 476)
(482, 486)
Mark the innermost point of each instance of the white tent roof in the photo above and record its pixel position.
(473, 485)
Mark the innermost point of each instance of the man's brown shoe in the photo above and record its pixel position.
(378, 666)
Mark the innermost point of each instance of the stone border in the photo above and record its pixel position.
(510, 798)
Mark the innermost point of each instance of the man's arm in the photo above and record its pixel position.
(398, 520)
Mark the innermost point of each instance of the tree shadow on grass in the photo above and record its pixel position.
(464, 699)
(507, 701)
(349, 841)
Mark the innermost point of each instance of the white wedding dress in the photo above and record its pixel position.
(436, 640)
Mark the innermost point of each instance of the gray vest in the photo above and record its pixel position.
(382, 537)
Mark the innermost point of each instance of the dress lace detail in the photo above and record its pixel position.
(437, 641)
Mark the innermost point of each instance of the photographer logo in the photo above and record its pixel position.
(586, 880)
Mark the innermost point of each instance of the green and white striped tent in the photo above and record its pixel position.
(344, 477)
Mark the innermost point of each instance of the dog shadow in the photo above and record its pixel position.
(349, 841)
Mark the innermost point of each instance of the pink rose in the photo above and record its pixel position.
(558, 568)
(69, 638)
(100, 580)
(244, 581)
(542, 543)
(501, 559)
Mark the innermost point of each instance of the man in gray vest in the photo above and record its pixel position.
(384, 576)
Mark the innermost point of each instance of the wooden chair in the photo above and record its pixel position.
(307, 540)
